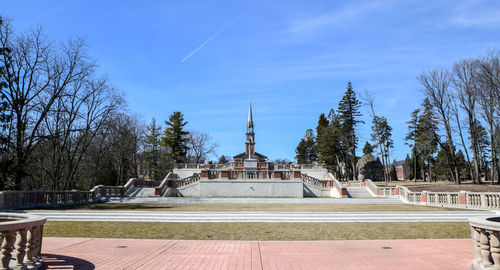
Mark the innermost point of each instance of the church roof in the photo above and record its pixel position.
(252, 156)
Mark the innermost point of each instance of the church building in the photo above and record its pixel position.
(250, 160)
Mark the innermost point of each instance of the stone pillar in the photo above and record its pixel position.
(485, 247)
(462, 198)
(21, 248)
(31, 247)
(495, 248)
(6, 248)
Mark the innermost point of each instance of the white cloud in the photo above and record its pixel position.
(340, 16)
(474, 13)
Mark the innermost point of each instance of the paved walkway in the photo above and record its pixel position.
(167, 216)
(259, 200)
(87, 253)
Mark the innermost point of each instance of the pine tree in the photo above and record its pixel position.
(152, 150)
(223, 160)
(306, 150)
(426, 140)
(367, 149)
(348, 113)
(175, 137)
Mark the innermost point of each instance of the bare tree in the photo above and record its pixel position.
(36, 74)
(466, 83)
(489, 99)
(200, 146)
(435, 87)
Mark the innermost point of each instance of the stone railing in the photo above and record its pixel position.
(185, 181)
(338, 186)
(250, 175)
(21, 236)
(139, 182)
(462, 199)
(162, 187)
(204, 166)
(355, 184)
(321, 183)
(42, 199)
(485, 233)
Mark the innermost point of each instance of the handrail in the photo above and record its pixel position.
(22, 239)
(160, 189)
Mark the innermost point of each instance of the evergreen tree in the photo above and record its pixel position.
(175, 137)
(426, 140)
(381, 135)
(152, 150)
(223, 160)
(348, 113)
(410, 141)
(306, 150)
(367, 149)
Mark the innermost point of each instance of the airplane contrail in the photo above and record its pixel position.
(212, 37)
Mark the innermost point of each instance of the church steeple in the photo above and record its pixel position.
(250, 135)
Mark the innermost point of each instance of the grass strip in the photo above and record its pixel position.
(258, 230)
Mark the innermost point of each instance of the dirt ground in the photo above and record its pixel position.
(443, 186)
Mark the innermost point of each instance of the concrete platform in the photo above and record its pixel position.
(186, 200)
(88, 253)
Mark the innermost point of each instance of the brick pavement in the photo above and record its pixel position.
(91, 253)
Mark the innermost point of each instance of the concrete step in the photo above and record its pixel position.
(359, 192)
(141, 192)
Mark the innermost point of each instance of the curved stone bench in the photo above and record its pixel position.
(21, 240)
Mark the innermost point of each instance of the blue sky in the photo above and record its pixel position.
(292, 59)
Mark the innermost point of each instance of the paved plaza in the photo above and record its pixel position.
(88, 253)
(169, 216)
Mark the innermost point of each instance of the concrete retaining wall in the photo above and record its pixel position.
(251, 188)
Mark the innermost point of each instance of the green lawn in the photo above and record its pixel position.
(258, 207)
(258, 231)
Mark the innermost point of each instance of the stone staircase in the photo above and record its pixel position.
(141, 192)
(358, 192)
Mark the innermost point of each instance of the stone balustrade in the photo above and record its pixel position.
(338, 186)
(322, 183)
(485, 242)
(21, 241)
(462, 199)
(185, 181)
(253, 175)
(25, 199)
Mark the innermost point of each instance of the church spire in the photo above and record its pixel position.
(250, 135)
(250, 120)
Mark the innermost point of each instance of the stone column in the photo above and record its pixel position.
(485, 247)
(495, 248)
(31, 246)
(6, 248)
(21, 248)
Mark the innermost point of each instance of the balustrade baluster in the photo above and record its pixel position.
(6, 248)
(495, 248)
(485, 247)
(20, 248)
